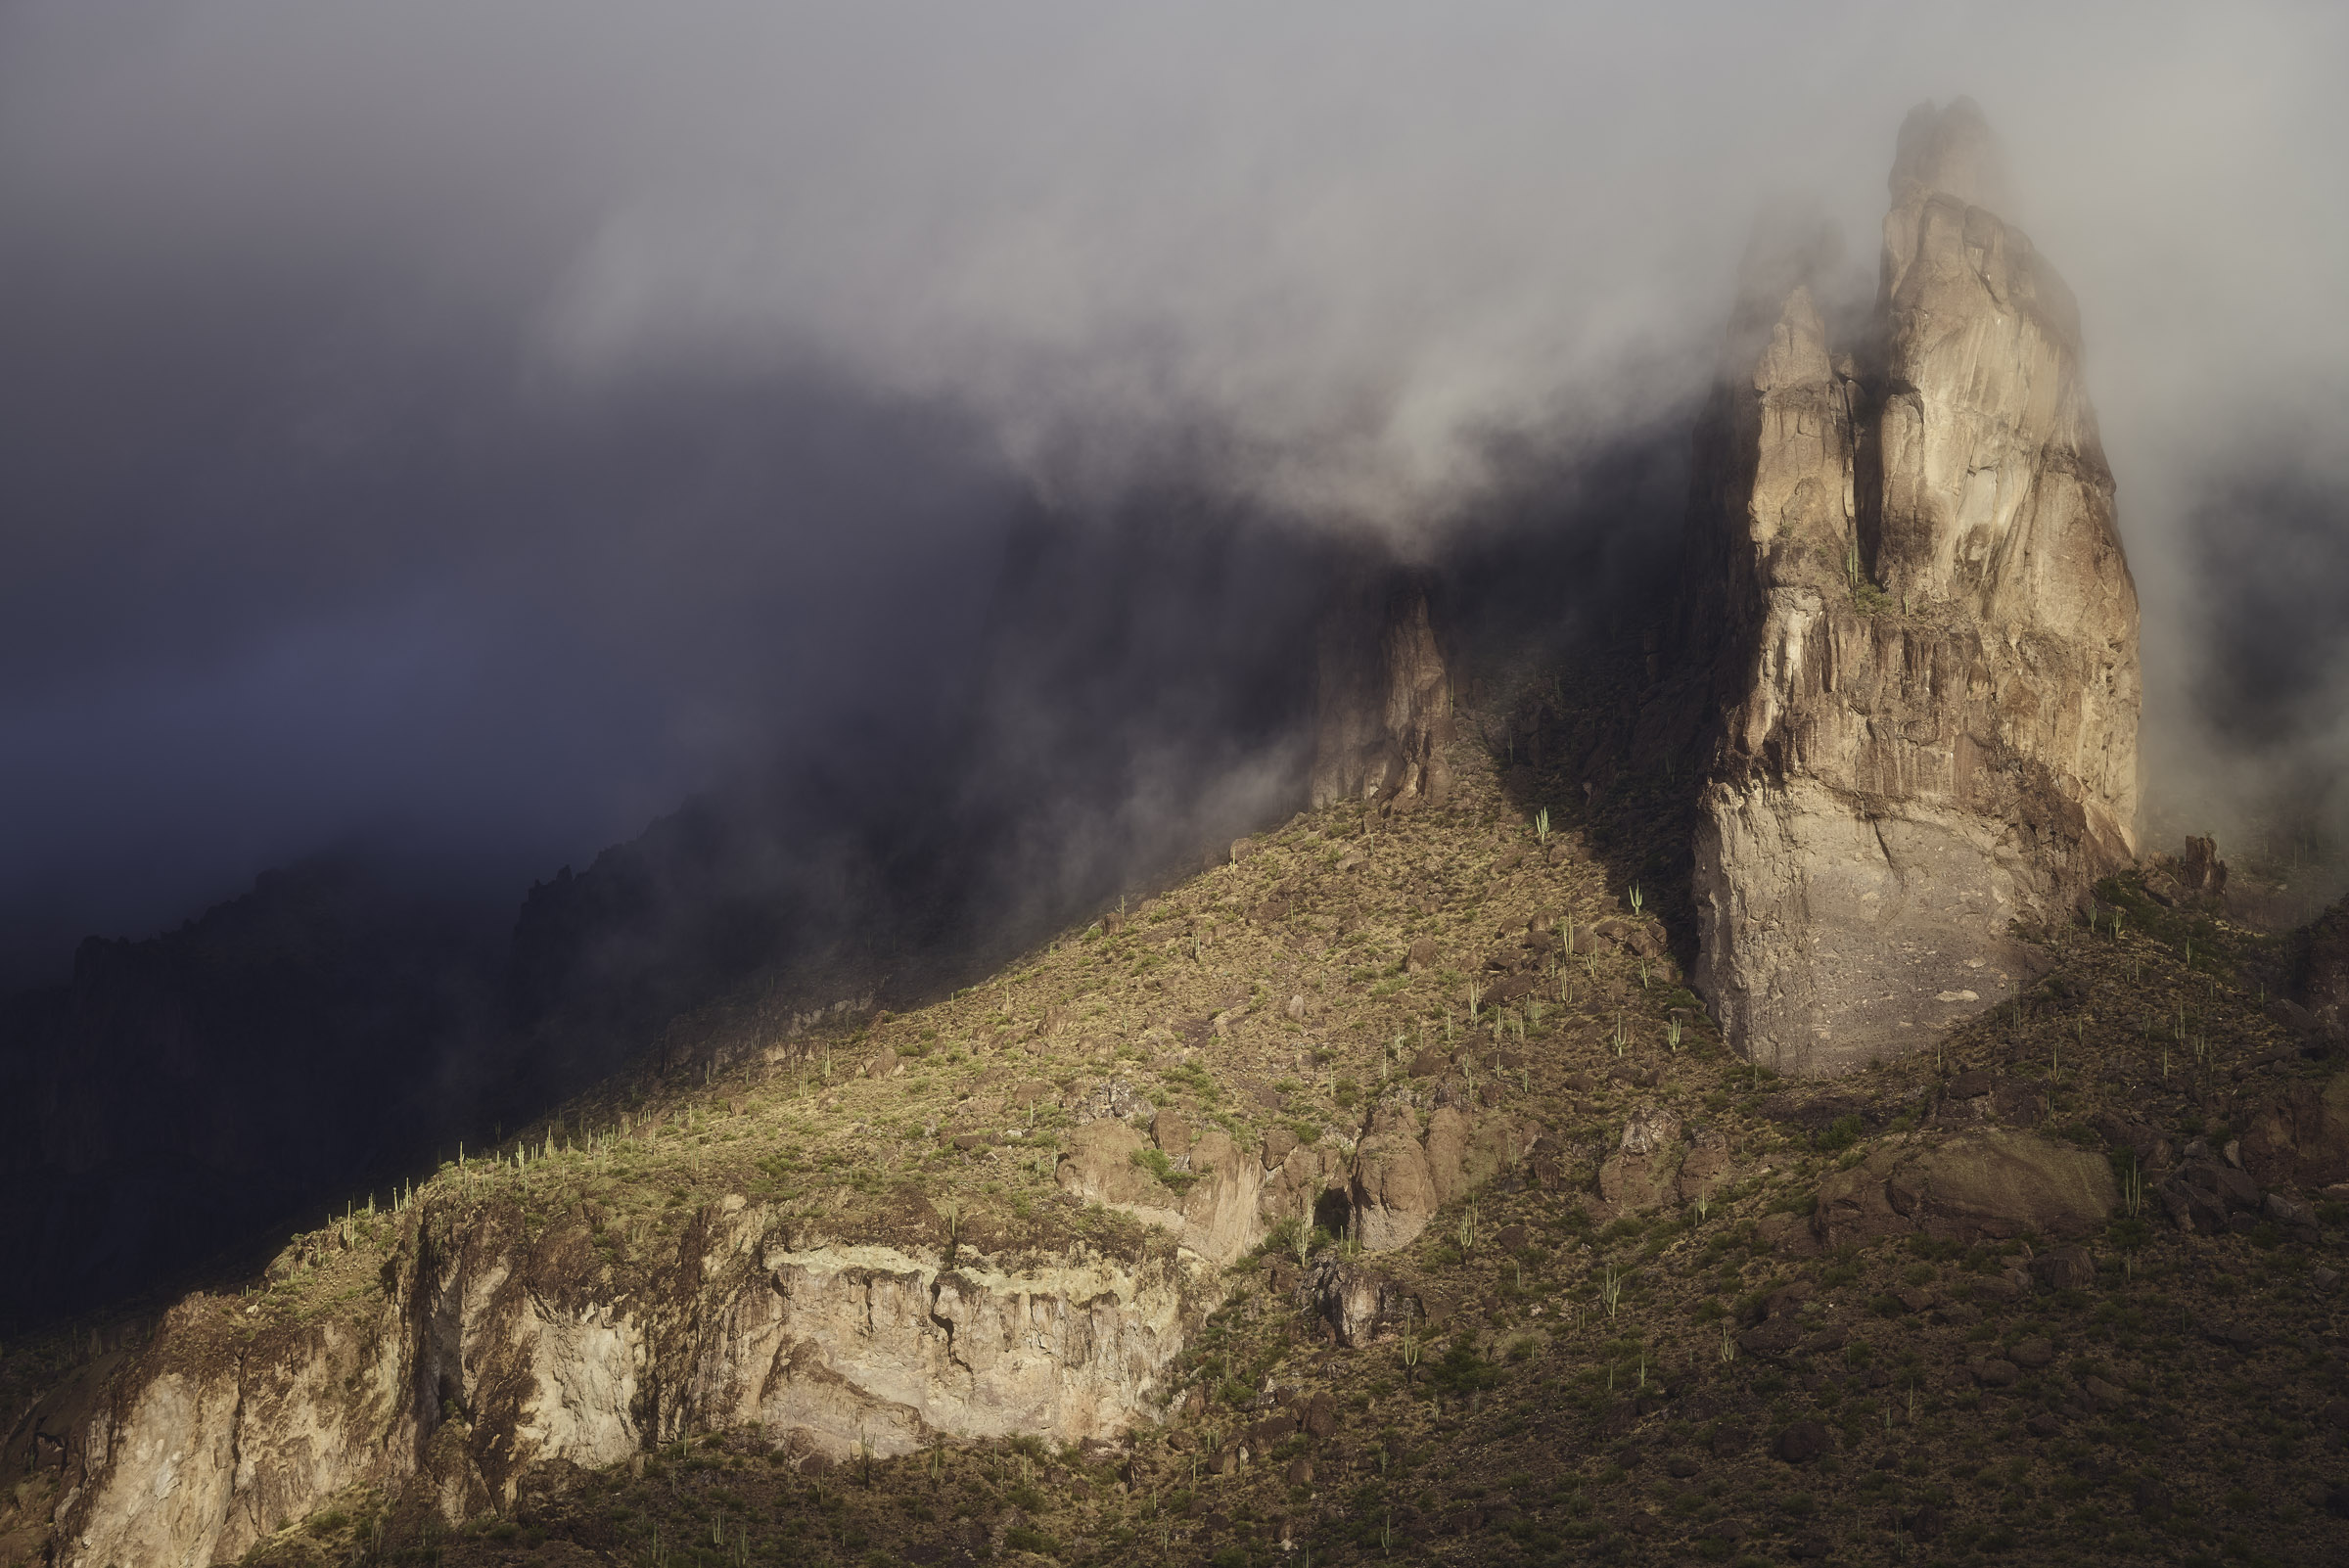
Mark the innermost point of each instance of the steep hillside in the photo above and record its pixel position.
(1379, 1193)
(1135, 692)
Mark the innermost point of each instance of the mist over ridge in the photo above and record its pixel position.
(548, 385)
(476, 432)
(1058, 782)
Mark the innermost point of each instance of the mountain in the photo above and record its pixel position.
(1382, 1190)
(1130, 702)
(1410, 1180)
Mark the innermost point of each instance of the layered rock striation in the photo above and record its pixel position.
(1923, 629)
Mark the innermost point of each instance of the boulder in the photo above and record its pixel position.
(1353, 1301)
(2193, 1209)
(1803, 1442)
(1994, 1372)
(1394, 1193)
(1853, 1204)
(1994, 1181)
(2064, 1269)
(2002, 1183)
(1262, 1435)
(1772, 1340)
(1644, 1172)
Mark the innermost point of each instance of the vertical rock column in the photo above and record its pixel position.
(1381, 700)
(1927, 633)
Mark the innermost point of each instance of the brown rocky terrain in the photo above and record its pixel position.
(1379, 1193)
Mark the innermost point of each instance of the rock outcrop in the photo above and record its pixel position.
(1216, 1218)
(1401, 1175)
(1382, 697)
(1924, 631)
(491, 1341)
(491, 1351)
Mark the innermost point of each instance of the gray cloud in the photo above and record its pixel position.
(495, 420)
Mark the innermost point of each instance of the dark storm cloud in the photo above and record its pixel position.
(476, 425)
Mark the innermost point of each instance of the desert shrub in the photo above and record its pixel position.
(1838, 1134)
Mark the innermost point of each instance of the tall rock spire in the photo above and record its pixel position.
(1381, 700)
(1928, 668)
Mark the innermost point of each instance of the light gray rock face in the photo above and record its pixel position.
(1928, 671)
(1382, 710)
(488, 1354)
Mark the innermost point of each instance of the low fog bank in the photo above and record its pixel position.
(2252, 744)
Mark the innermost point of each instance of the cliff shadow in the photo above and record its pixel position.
(1569, 619)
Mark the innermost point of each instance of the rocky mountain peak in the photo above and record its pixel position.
(1926, 630)
(1949, 150)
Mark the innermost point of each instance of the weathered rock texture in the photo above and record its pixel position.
(1382, 701)
(1217, 1219)
(495, 1345)
(1401, 1177)
(1925, 634)
(491, 1351)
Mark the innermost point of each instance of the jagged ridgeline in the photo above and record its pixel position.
(1386, 1190)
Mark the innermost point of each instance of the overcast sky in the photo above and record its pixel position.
(481, 423)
